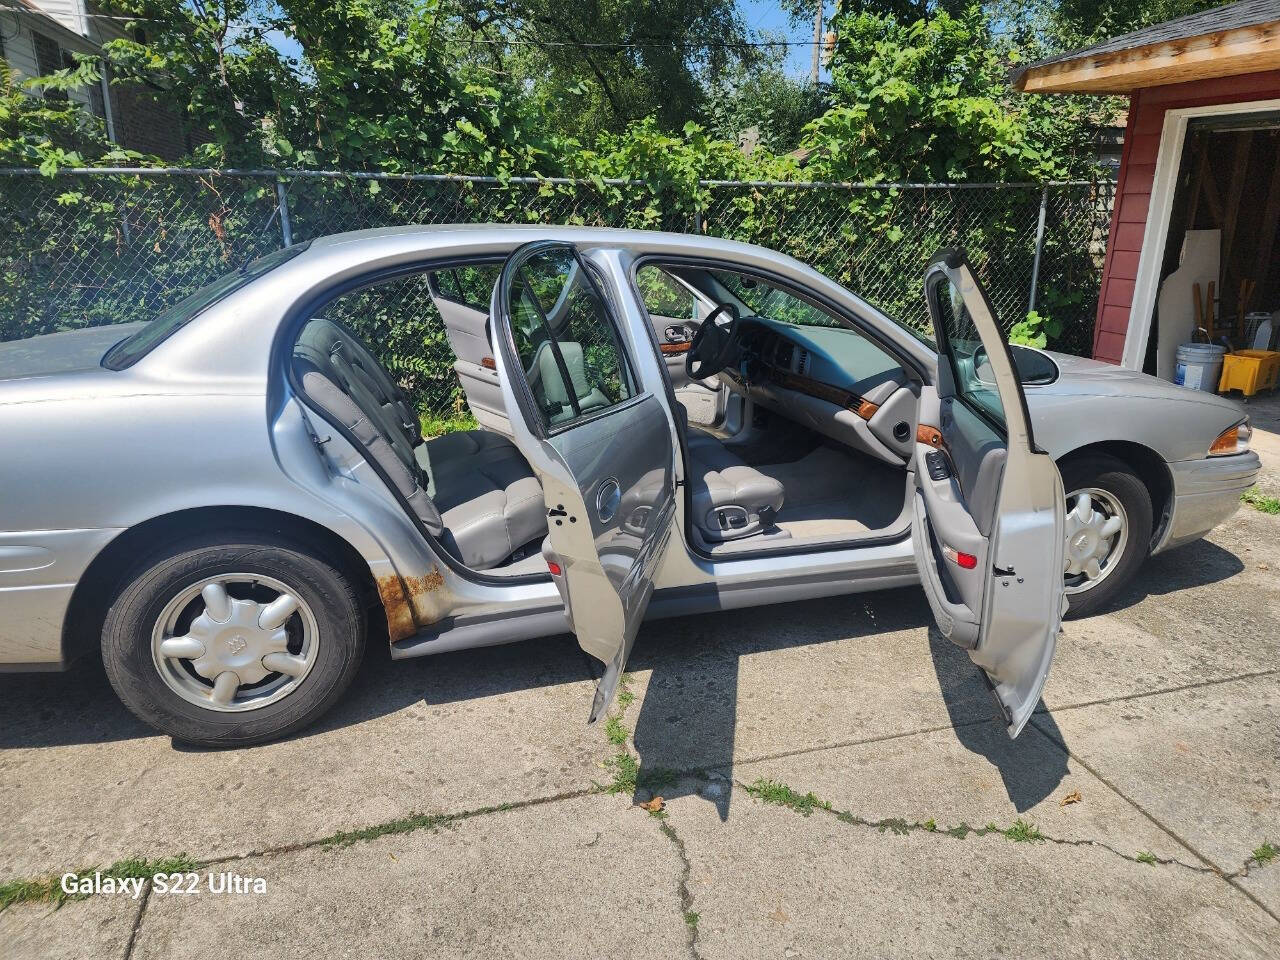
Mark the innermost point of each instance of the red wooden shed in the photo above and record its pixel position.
(1198, 194)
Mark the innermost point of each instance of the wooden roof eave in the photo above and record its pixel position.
(1223, 54)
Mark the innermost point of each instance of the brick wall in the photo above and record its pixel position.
(1133, 190)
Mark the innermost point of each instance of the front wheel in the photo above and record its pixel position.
(1108, 530)
(233, 642)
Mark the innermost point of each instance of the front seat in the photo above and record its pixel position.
(730, 499)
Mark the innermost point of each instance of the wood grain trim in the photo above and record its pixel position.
(866, 409)
(669, 349)
(817, 389)
(929, 435)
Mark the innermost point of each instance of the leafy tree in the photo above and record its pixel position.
(598, 65)
(930, 101)
(765, 97)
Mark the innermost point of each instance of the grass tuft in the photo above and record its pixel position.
(1266, 853)
(416, 821)
(691, 918)
(1023, 831)
(49, 889)
(615, 730)
(626, 770)
(771, 791)
(1260, 501)
(1146, 856)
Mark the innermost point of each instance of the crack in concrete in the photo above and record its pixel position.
(682, 888)
(1229, 878)
(900, 827)
(978, 721)
(137, 921)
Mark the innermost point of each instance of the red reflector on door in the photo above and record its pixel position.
(554, 568)
(966, 561)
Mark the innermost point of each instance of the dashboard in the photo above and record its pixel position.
(833, 380)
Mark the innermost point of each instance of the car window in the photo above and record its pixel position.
(961, 344)
(469, 285)
(664, 295)
(132, 349)
(775, 303)
(566, 339)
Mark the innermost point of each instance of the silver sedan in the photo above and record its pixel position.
(223, 502)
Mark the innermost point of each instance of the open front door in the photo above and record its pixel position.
(599, 440)
(989, 507)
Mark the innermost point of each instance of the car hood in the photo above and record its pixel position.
(61, 352)
(1078, 376)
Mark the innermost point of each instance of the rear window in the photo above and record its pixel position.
(132, 349)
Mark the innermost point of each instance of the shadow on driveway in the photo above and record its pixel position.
(689, 714)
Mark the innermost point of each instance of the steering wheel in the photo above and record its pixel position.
(713, 346)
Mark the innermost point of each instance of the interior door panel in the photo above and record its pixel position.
(468, 331)
(988, 521)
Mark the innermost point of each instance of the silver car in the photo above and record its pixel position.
(225, 500)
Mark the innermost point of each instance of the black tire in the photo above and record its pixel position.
(1118, 479)
(126, 637)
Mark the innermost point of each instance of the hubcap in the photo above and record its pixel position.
(234, 642)
(1097, 530)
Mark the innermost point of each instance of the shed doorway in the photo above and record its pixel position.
(1219, 275)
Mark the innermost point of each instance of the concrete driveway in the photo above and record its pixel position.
(832, 780)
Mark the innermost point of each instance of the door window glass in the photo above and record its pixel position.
(469, 284)
(663, 295)
(960, 343)
(565, 338)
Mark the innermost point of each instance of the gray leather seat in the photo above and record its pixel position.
(472, 490)
(730, 499)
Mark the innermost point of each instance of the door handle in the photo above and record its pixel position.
(677, 333)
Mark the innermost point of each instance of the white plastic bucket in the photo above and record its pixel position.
(1199, 366)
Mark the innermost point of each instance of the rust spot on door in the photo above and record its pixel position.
(400, 597)
(396, 604)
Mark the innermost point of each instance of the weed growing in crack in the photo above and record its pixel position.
(691, 918)
(1147, 857)
(416, 821)
(626, 770)
(615, 730)
(1265, 853)
(49, 889)
(770, 791)
(1023, 832)
(1260, 501)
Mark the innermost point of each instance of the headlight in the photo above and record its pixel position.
(1232, 440)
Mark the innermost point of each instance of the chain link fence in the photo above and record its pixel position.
(92, 247)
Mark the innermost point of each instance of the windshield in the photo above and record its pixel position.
(130, 350)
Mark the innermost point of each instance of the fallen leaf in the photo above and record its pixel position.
(1072, 797)
(779, 916)
(654, 805)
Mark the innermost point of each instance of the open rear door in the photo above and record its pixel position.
(989, 507)
(600, 442)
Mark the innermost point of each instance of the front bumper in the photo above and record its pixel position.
(1205, 493)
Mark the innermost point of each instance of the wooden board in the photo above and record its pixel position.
(1222, 54)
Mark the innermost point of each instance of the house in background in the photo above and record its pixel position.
(1198, 190)
(38, 37)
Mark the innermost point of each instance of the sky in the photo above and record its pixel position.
(767, 15)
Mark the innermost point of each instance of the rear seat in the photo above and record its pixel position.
(472, 490)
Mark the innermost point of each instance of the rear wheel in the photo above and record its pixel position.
(233, 642)
(1108, 530)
